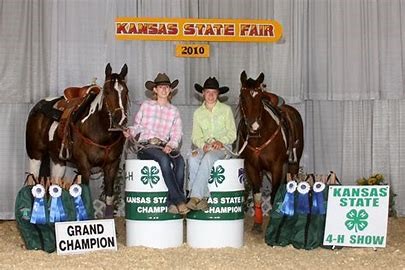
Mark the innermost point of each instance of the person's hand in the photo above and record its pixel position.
(167, 149)
(216, 145)
(207, 147)
(126, 133)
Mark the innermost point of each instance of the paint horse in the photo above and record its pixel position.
(94, 137)
(271, 137)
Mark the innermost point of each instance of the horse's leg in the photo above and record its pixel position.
(279, 172)
(58, 170)
(35, 166)
(254, 177)
(110, 172)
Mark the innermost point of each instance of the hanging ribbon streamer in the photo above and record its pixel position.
(318, 206)
(303, 200)
(38, 209)
(76, 192)
(57, 212)
(287, 208)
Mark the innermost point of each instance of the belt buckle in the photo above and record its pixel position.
(155, 141)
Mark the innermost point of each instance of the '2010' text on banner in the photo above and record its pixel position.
(171, 29)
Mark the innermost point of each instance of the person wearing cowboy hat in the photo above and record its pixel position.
(213, 128)
(159, 128)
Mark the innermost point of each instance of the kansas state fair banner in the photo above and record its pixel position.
(235, 30)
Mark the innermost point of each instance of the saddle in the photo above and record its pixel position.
(276, 100)
(75, 99)
(277, 105)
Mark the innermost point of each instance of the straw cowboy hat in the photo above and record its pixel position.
(160, 79)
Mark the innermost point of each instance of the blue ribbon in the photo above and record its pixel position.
(318, 200)
(57, 211)
(303, 203)
(38, 211)
(287, 208)
(81, 213)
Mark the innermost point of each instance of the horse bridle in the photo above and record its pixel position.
(112, 112)
(258, 90)
(256, 149)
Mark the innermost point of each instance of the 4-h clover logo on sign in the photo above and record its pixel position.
(151, 176)
(217, 175)
(357, 221)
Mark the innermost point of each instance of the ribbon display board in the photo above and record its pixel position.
(84, 236)
(357, 216)
(191, 29)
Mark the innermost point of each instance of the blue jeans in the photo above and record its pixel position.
(200, 171)
(172, 171)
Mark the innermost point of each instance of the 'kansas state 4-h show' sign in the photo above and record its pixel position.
(357, 216)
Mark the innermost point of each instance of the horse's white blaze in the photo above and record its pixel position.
(253, 93)
(255, 126)
(57, 171)
(52, 129)
(109, 200)
(118, 87)
(35, 164)
(96, 105)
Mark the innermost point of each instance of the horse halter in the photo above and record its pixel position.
(112, 111)
(254, 128)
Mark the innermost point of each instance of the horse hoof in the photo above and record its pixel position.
(109, 211)
(257, 228)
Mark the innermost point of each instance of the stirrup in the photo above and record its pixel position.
(63, 149)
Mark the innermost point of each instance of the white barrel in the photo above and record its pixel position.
(147, 221)
(222, 224)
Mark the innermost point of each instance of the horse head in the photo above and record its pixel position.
(115, 93)
(250, 101)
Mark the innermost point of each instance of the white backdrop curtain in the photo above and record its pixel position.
(340, 62)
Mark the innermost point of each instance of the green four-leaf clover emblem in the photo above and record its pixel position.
(150, 176)
(217, 175)
(356, 220)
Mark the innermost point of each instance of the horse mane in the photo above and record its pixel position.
(95, 105)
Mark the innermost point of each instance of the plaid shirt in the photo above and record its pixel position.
(160, 121)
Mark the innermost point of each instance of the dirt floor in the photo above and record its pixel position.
(255, 254)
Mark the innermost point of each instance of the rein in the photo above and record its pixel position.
(256, 149)
(136, 147)
(107, 148)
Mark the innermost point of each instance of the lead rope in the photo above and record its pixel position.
(134, 147)
(230, 151)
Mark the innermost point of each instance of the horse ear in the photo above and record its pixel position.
(243, 76)
(108, 70)
(260, 79)
(124, 71)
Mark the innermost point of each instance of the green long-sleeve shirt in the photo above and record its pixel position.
(217, 124)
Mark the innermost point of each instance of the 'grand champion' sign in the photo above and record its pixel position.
(190, 29)
(357, 216)
(84, 236)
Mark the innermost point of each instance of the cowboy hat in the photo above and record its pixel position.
(211, 83)
(160, 79)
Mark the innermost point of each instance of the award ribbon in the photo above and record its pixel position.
(303, 199)
(318, 199)
(75, 191)
(287, 208)
(38, 209)
(57, 212)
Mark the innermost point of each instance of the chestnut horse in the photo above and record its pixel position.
(271, 137)
(95, 138)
